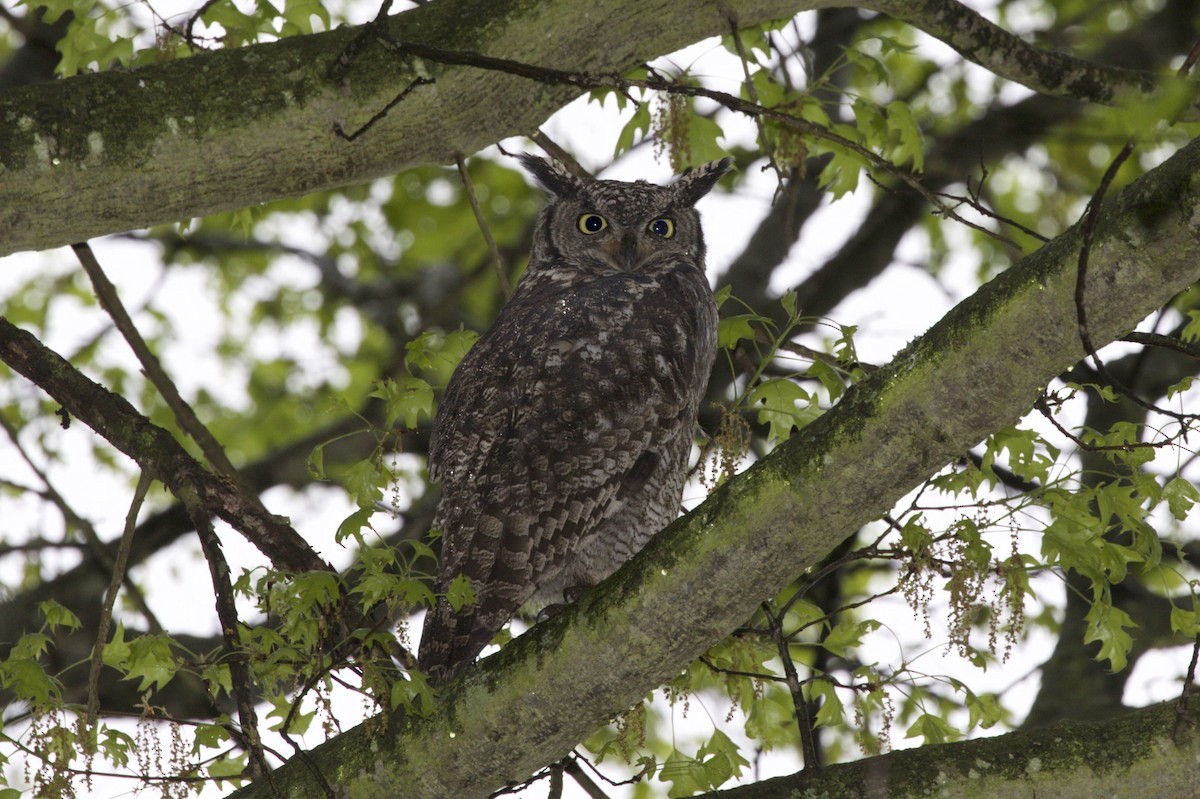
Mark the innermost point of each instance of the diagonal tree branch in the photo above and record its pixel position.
(977, 370)
(155, 450)
(1137, 756)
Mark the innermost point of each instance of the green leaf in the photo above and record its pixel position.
(721, 758)
(414, 695)
(151, 661)
(684, 773)
(405, 397)
(460, 593)
(117, 651)
(1180, 495)
(117, 746)
(352, 526)
(776, 401)
(365, 480)
(1184, 622)
(732, 329)
(281, 709)
(437, 351)
(58, 616)
(830, 378)
(635, 129)
(832, 712)
(1191, 331)
(1180, 387)
(722, 294)
(911, 142)
(848, 633)
(209, 736)
(316, 462)
(227, 768)
(984, 709)
(219, 679)
(28, 680)
(1107, 625)
(702, 135)
(716, 762)
(933, 729)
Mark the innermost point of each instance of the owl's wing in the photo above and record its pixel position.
(538, 440)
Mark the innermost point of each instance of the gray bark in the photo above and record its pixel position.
(119, 150)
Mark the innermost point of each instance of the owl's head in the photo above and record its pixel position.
(603, 227)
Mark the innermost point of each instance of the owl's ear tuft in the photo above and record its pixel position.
(552, 175)
(695, 183)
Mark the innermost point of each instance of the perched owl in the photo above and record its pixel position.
(563, 438)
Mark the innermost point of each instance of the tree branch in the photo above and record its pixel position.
(193, 137)
(1011, 57)
(155, 450)
(1136, 756)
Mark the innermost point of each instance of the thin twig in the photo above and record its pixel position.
(1091, 214)
(155, 449)
(752, 93)
(497, 261)
(370, 123)
(96, 547)
(239, 672)
(808, 742)
(106, 292)
(110, 599)
(1166, 342)
(589, 786)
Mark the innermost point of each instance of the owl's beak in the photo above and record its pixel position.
(625, 253)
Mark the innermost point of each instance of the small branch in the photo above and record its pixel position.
(106, 292)
(383, 112)
(97, 548)
(1009, 56)
(110, 599)
(239, 671)
(589, 786)
(808, 742)
(155, 450)
(752, 93)
(497, 261)
(1166, 342)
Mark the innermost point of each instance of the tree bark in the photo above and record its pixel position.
(113, 151)
(977, 370)
(1149, 753)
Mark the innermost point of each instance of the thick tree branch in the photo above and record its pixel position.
(119, 150)
(1009, 56)
(1140, 755)
(976, 371)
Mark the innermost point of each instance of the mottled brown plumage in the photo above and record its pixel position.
(563, 438)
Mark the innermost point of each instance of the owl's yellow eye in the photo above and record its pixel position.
(591, 223)
(662, 227)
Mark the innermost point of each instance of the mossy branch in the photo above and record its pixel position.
(114, 151)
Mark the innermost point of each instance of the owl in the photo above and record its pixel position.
(562, 440)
